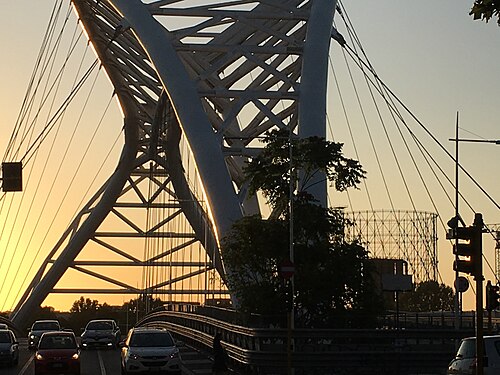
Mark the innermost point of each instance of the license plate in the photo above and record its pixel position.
(57, 365)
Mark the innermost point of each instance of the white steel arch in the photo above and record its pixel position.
(218, 74)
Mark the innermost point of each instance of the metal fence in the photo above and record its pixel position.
(263, 350)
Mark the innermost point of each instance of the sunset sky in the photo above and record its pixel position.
(432, 54)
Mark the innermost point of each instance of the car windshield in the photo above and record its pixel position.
(45, 326)
(4, 337)
(57, 342)
(467, 349)
(98, 326)
(149, 339)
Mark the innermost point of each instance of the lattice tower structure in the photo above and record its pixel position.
(198, 82)
(407, 235)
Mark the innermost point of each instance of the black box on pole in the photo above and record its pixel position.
(12, 176)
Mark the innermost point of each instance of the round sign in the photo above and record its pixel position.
(286, 269)
(461, 284)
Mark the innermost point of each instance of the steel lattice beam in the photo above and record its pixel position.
(216, 74)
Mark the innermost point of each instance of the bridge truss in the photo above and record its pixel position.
(199, 82)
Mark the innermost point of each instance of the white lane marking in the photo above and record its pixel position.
(101, 363)
(26, 365)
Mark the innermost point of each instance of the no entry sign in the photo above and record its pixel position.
(286, 269)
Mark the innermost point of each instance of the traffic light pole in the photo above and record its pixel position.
(471, 251)
(479, 326)
(478, 244)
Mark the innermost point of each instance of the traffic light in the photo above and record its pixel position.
(492, 296)
(468, 244)
(12, 176)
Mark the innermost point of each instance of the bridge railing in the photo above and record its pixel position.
(263, 350)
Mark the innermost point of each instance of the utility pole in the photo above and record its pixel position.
(457, 304)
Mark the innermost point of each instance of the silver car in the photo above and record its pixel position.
(150, 350)
(103, 333)
(40, 327)
(464, 362)
(9, 348)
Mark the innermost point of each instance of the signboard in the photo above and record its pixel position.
(397, 283)
(461, 284)
(286, 269)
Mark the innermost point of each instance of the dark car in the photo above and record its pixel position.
(40, 327)
(101, 333)
(9, 348)
(57, 353)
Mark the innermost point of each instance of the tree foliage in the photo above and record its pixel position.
(333, 280)
(271, 171)
(485, 10)
(428, 296)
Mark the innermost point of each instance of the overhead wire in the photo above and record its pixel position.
(16, 216)
(352, 35)
(354, 39)
(47, 36)
(361, 63)
(56, 176)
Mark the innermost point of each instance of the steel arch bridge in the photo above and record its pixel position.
(198, 83)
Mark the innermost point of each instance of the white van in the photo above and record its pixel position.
(464, 362)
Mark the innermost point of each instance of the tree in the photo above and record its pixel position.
(84, 306)
(486, 9)
(271, 171)
(254, 249)
(332, 277)
(428, 296)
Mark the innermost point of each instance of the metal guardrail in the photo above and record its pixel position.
(318, 351)
(10, 324)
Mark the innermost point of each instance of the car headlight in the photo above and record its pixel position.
(32, 337)
(39, 356)
(174, 355)
(75, 356)
(134, 356)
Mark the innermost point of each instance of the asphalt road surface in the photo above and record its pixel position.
(105, 362)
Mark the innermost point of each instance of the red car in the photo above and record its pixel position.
(57, 353)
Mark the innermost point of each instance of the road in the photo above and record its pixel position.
(105, 362)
